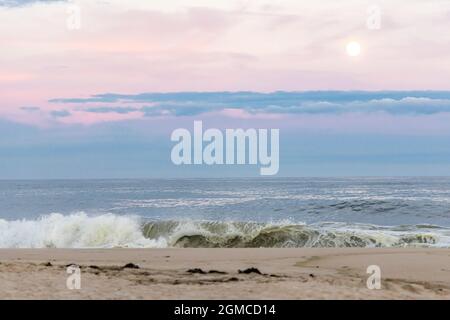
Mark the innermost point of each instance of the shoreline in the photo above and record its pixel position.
(291, 273)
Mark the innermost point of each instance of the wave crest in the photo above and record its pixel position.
(74, 231)
(108, 231)
(254, 235)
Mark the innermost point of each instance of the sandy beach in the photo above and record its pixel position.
(225, 273)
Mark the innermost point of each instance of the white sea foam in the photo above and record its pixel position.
(80, 230)
(75, 231)
(288, 234)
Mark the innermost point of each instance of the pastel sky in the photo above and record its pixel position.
(101, 100)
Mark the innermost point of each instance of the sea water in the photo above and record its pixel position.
(239, 212)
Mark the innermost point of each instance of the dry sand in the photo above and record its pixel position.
(286, 273)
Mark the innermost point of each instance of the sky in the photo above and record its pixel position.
(93, 89)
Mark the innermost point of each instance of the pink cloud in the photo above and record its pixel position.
(90, 118)
(180, 46)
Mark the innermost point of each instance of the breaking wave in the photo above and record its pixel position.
(74, 231)
(108, 231)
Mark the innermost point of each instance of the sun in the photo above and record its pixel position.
(353, 49)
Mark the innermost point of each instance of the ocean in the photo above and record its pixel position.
(238, 212)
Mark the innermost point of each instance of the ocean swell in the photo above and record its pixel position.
(207, 234)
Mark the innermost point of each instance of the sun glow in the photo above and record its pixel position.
(353, 49)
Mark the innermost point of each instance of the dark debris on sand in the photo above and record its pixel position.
(72, 265)
(200, 271)
(251, 270)
(196, 270)
(217, 272)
